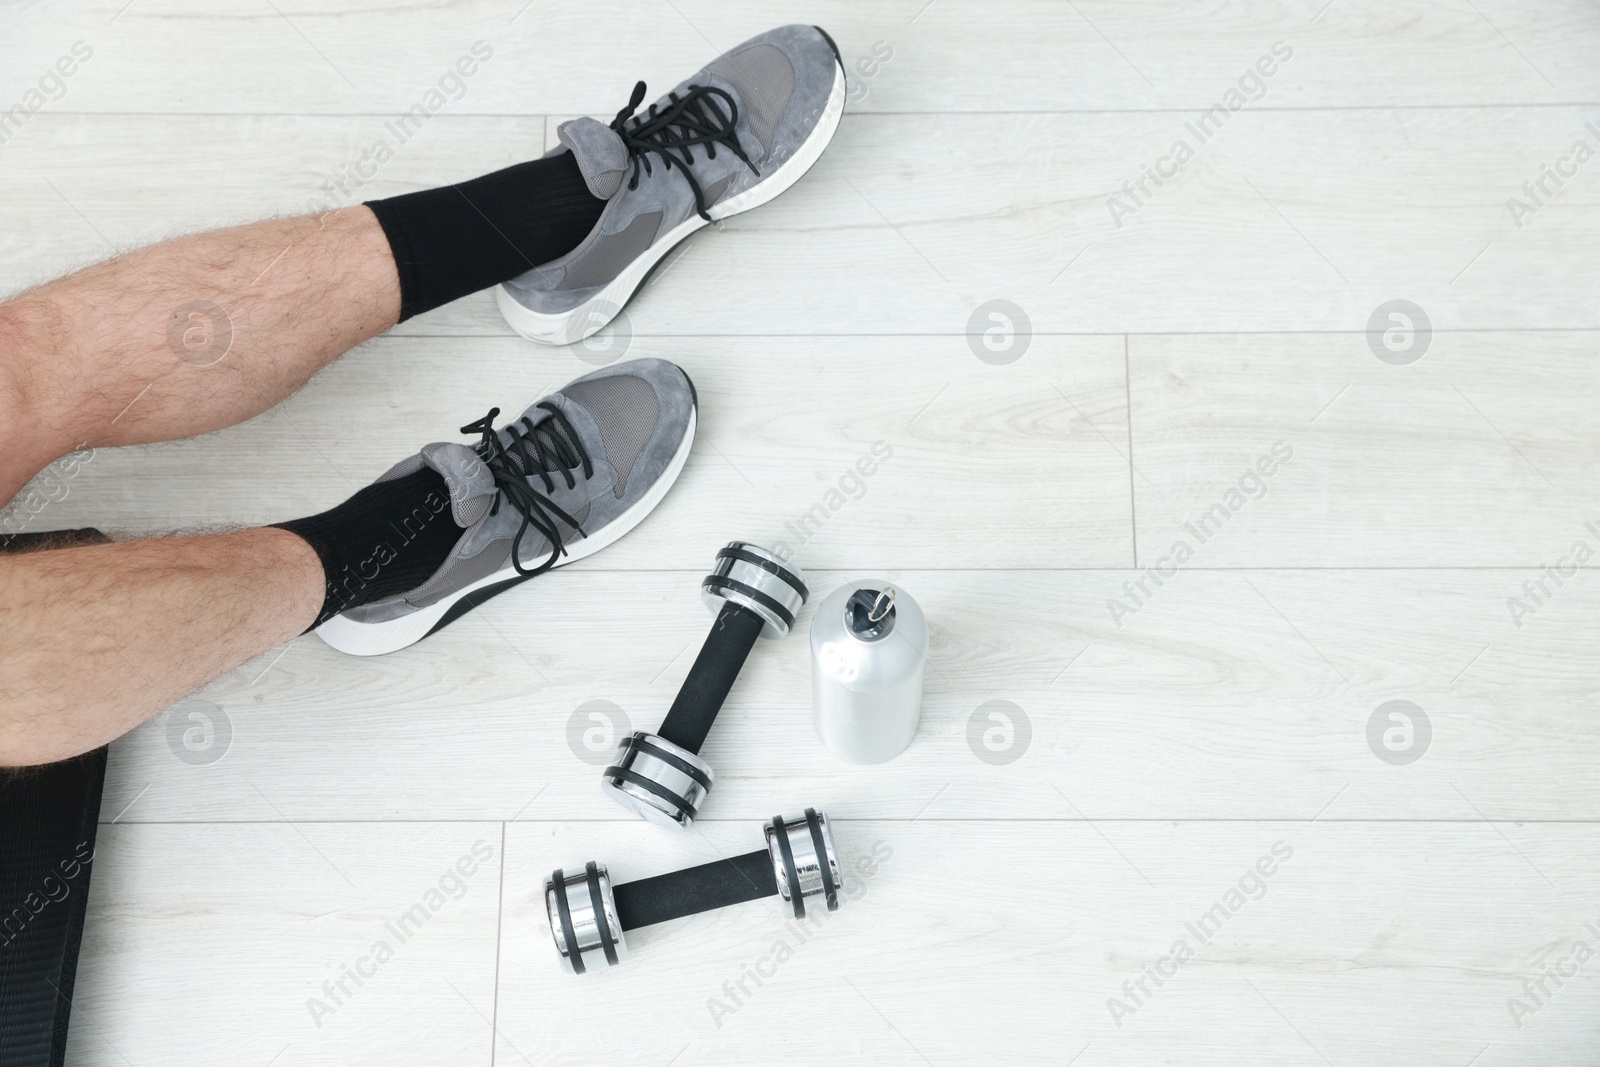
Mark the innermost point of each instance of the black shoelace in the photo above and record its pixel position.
(532, 451)
(697, 119)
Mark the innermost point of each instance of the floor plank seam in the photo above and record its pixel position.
(499, 934)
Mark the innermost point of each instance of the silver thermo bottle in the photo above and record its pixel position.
(869, 644)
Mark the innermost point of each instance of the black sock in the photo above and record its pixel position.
(389, 538)
(456, 240)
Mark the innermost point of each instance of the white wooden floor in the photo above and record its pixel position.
(1162, 746)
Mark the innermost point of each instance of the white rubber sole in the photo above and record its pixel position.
(378, 638)
(592, 315)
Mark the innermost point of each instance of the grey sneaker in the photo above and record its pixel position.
(577, 471)
(735, 135)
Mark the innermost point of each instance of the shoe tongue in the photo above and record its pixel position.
(472, 488)
(600, 154)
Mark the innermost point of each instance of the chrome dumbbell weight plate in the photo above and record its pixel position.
(804, 861)
(583, 918)
(657, 780)
(758, 580)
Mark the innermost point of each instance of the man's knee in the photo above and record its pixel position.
(31, 431)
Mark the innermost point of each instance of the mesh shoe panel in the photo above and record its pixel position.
(625, 409)
(765, 80)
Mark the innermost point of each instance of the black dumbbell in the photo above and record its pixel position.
(661, 776)
(589, 915)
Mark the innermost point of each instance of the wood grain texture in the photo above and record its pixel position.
(967, 939)
(84, 188)
(827, 451)
(1282, 220)
(950, 55)
(228, 934)
(1479, 454)
(1226, 695)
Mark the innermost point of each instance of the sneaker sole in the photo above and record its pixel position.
(593, 314)
(379, 638)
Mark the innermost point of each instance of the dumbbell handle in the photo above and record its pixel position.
(695, 889)
(722, 656)
(590, 915)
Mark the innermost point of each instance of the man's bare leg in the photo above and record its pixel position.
(186, 336)
(189, 336)
(179, 338)
(84, 659)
